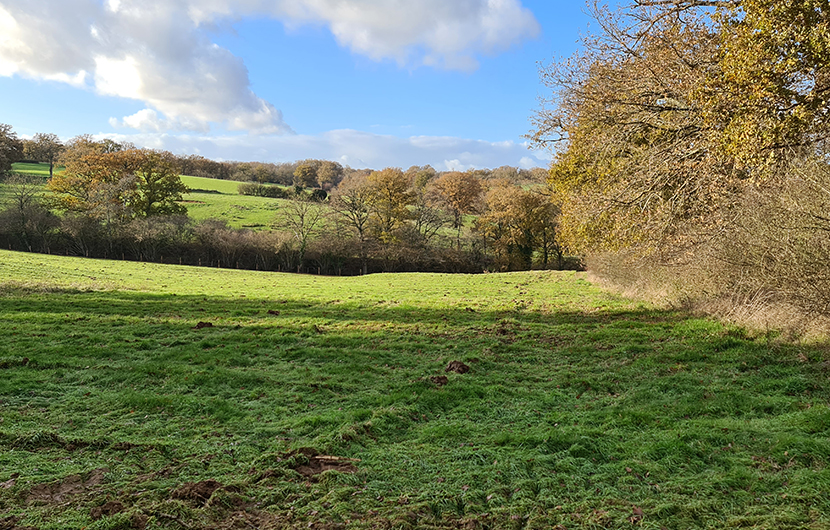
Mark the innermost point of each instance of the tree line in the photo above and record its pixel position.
(113, 200)
(691, 148)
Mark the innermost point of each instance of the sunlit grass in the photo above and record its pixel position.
(581, 409)
(39, 169)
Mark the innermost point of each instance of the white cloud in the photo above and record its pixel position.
(146, 120)
(159, 52)
(527, 162)
(454, 165)
(355, 148)
(118, 77)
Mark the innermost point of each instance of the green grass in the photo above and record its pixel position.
(220, 199)
(581, 409)
(229, 187)
(35, 169)
(211, 199)
(239, 211)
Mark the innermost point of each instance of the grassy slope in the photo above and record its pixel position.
(239, 211)
(35, 169)
(581, 408)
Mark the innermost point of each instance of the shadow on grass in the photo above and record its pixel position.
(676, 415)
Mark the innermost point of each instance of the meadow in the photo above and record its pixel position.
(137, 395)
(34, 168)
(208, 199)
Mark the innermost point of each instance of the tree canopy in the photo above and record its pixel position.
(103, 180)
(11, 148)
(44, 147)
(676, 107)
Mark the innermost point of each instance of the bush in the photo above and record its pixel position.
(766, 268)
(263, 190)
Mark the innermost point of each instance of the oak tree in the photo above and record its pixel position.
(115, 185)
(389, 201)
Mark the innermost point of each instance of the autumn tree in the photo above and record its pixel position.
(112, 184)
(420, 176)
(352, 203)
(44, 147)
(329, 174)
(305, 176)
(389, 201)
(517, 224)
(460, 193)
(674, 120)
(677, 106)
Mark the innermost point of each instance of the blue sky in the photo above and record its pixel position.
(369, 83)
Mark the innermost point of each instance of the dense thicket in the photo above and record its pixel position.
(692, 144)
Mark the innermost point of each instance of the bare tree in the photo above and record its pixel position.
(351, 202)
(302, 217)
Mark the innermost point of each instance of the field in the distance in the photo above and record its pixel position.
(135, 395)
(209, 199)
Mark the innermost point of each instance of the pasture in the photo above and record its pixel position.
(209, 199)
(136, 395)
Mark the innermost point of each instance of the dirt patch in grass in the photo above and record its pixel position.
(311, 462)
(457, 367)
(10, 523)
(58, 492)
(110, 508)
(439, 380)
(259, 520)
(197, 491)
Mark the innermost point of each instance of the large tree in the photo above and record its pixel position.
(351, 202)
(11, 148)
(677, 106)
(517, 224)
(389, 201)
(44, 147)
(460, 193)
(104, 182)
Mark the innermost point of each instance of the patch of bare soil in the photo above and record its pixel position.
(10, 523)
(58, 492)
(506, 331)
(247, 520)
(457, 367)
(439, 380)
(110, 508)
(197, 491)
(202, 325)
(139, 521)
(318, 463)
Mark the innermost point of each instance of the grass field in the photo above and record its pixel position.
(146, 396)
(239, 211)
(210, 199)
(35, 168)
